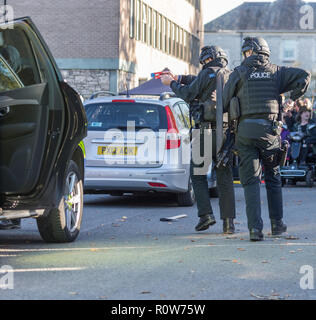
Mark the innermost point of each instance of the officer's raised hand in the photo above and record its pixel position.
(166, 79)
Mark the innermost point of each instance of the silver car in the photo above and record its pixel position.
(138, 145)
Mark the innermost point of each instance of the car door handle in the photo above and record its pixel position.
(4, 111)
(4, 103)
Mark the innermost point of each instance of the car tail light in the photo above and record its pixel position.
(157, 185)
(123, 100)
(173, 140)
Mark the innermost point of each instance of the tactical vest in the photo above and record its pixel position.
(259, 92)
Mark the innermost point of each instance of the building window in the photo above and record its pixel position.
(150, 26)
(189, 43)
(185, 47)
(177, 41)
(132, 19)
(144, 23)
(181, 44)
(289, 50)
(138, 21)
(163, 34)
(169, 37)
(159, 32)
(173, 39)
(155, 29)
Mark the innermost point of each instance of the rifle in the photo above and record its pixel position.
(223, 156)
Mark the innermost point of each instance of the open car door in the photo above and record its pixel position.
(31, 108)
(42, 121)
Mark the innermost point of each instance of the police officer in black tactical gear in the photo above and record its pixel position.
(198, 92)
(258, 84)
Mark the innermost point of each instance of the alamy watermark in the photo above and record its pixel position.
(6, 278)
(307, 280)
(307, 19)
(146, 146)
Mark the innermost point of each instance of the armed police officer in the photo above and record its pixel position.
(199, 92)
(257, 84)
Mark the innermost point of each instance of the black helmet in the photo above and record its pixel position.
(257, 45)
(212, 52)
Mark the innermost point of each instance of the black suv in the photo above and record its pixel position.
(42, 124)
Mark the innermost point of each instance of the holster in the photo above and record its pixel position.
(279, 157)
(283, 152)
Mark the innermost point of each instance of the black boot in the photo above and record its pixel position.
(205, 221)
(277, 227)
(228, 226)
(256, 235)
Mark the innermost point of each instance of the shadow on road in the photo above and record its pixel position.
(132, 201)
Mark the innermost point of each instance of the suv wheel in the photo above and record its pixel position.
(62, 224)
(186, 199)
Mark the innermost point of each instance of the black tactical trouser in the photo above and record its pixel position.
(224, 178)
(256, 144)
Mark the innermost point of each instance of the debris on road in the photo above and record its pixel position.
(272, 296)
(291, 238)
(145, 292)
(174, 218)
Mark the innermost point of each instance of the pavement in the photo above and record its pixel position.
(124, 252)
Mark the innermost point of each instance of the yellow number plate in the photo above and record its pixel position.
(117, 151)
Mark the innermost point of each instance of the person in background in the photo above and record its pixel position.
(289, 114)
(306, 125)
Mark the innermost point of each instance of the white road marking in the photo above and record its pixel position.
(231, 245)
(44, 269)
(8, 255)
(70, 249)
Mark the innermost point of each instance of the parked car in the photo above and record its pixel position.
(42, 122)
(138, 145)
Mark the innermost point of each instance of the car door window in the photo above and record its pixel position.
(179, 117)
(20, 49)
(8, 78)
(18, 52)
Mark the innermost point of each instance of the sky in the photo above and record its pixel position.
(213, 8)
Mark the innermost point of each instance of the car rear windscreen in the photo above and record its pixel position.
(104, 116)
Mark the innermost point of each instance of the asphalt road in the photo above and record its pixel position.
(125, 252)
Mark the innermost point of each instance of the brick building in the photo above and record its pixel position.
(103, 44)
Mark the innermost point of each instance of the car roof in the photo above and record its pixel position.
(155, 100)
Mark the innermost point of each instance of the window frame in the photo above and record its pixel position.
(284, 44)
(132, 19)
(155, 29)
(144, 22)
